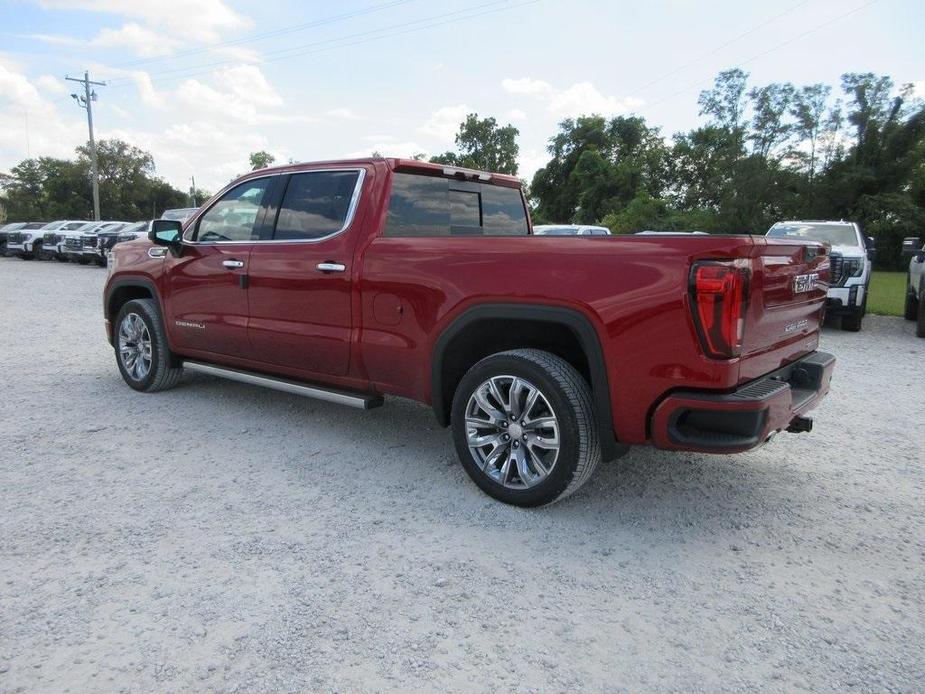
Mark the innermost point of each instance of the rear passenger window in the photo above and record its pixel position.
(315, 205)
(435, 206)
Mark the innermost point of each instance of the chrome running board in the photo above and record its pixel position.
(341, 397)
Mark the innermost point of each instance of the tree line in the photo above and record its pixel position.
(49, 188)
(763, 154)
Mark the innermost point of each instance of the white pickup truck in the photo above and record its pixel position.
(850, 257)
(915, 283)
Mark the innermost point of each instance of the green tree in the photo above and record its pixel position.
(482, 144)
(725, 102)
(597, 165)
(47, 188)
(770, 106)
(808, 110)
(260, 160)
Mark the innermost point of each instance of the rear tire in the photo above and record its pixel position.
(142, 353)
(920, 322)
(548, 440)
(852, 322)
(911, 310)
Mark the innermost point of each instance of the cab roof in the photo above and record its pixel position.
(400, 166)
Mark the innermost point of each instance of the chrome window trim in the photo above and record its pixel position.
(348, 220)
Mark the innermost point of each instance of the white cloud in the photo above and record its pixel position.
(343, 114)
(918, 89)
(579, 99)
(444, 123)
(527, 86)
(516, 114)
(529, 162)
(30, 125)
(52, 85)
(144, 41)
(199, 20)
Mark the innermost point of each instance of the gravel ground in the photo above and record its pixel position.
(223, 537)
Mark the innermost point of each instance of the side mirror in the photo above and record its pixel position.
(912, 245)
(871, 242)
(166, 232)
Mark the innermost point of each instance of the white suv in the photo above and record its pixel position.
(850, 258)
(915, 283)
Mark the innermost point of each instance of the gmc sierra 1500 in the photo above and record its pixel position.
(347, 280)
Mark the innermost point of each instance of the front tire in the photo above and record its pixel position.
(523, 425)
(142, 353)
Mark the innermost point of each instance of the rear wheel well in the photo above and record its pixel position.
(489, 328)
(487, 336)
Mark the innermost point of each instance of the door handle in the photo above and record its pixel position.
(331, 267)
(232, 264)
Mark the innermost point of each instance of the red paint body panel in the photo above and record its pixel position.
(375, 326)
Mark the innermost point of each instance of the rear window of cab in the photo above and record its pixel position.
(436, 206)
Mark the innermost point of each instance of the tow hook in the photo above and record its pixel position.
(798, 425)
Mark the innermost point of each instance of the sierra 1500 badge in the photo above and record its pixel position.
(805, 283)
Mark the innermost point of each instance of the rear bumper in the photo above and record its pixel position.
(746, 418)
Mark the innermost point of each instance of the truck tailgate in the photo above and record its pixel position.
(786, 304)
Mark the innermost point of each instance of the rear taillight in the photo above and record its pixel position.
(719, 296)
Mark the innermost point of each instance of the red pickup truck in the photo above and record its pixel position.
(350, 280)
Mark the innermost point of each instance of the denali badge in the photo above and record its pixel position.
(793, 327)
(805, 283)
(187, 324)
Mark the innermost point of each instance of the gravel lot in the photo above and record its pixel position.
(223, 537)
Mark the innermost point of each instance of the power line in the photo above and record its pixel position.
(265, 35)
(347, 40)
(755, 57)
(718, 48)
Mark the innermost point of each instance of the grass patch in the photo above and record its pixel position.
(887, 293)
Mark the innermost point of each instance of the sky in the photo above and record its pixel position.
(202, 83)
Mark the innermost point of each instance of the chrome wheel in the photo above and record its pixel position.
(512, 432)
(135, 346)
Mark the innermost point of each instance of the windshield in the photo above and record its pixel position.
(835, 234)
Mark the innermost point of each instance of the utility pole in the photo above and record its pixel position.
(192, 190)
(85, 102)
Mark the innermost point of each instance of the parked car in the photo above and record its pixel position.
(915, 283)
(179, 214)
(850, 257)
(6, 229)
(81, 245)
(570, 230)
(27, 241)
(54, 235)
(544, 355)
(106, 235)
(127, 232)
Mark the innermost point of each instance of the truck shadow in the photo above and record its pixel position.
(296, 442)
